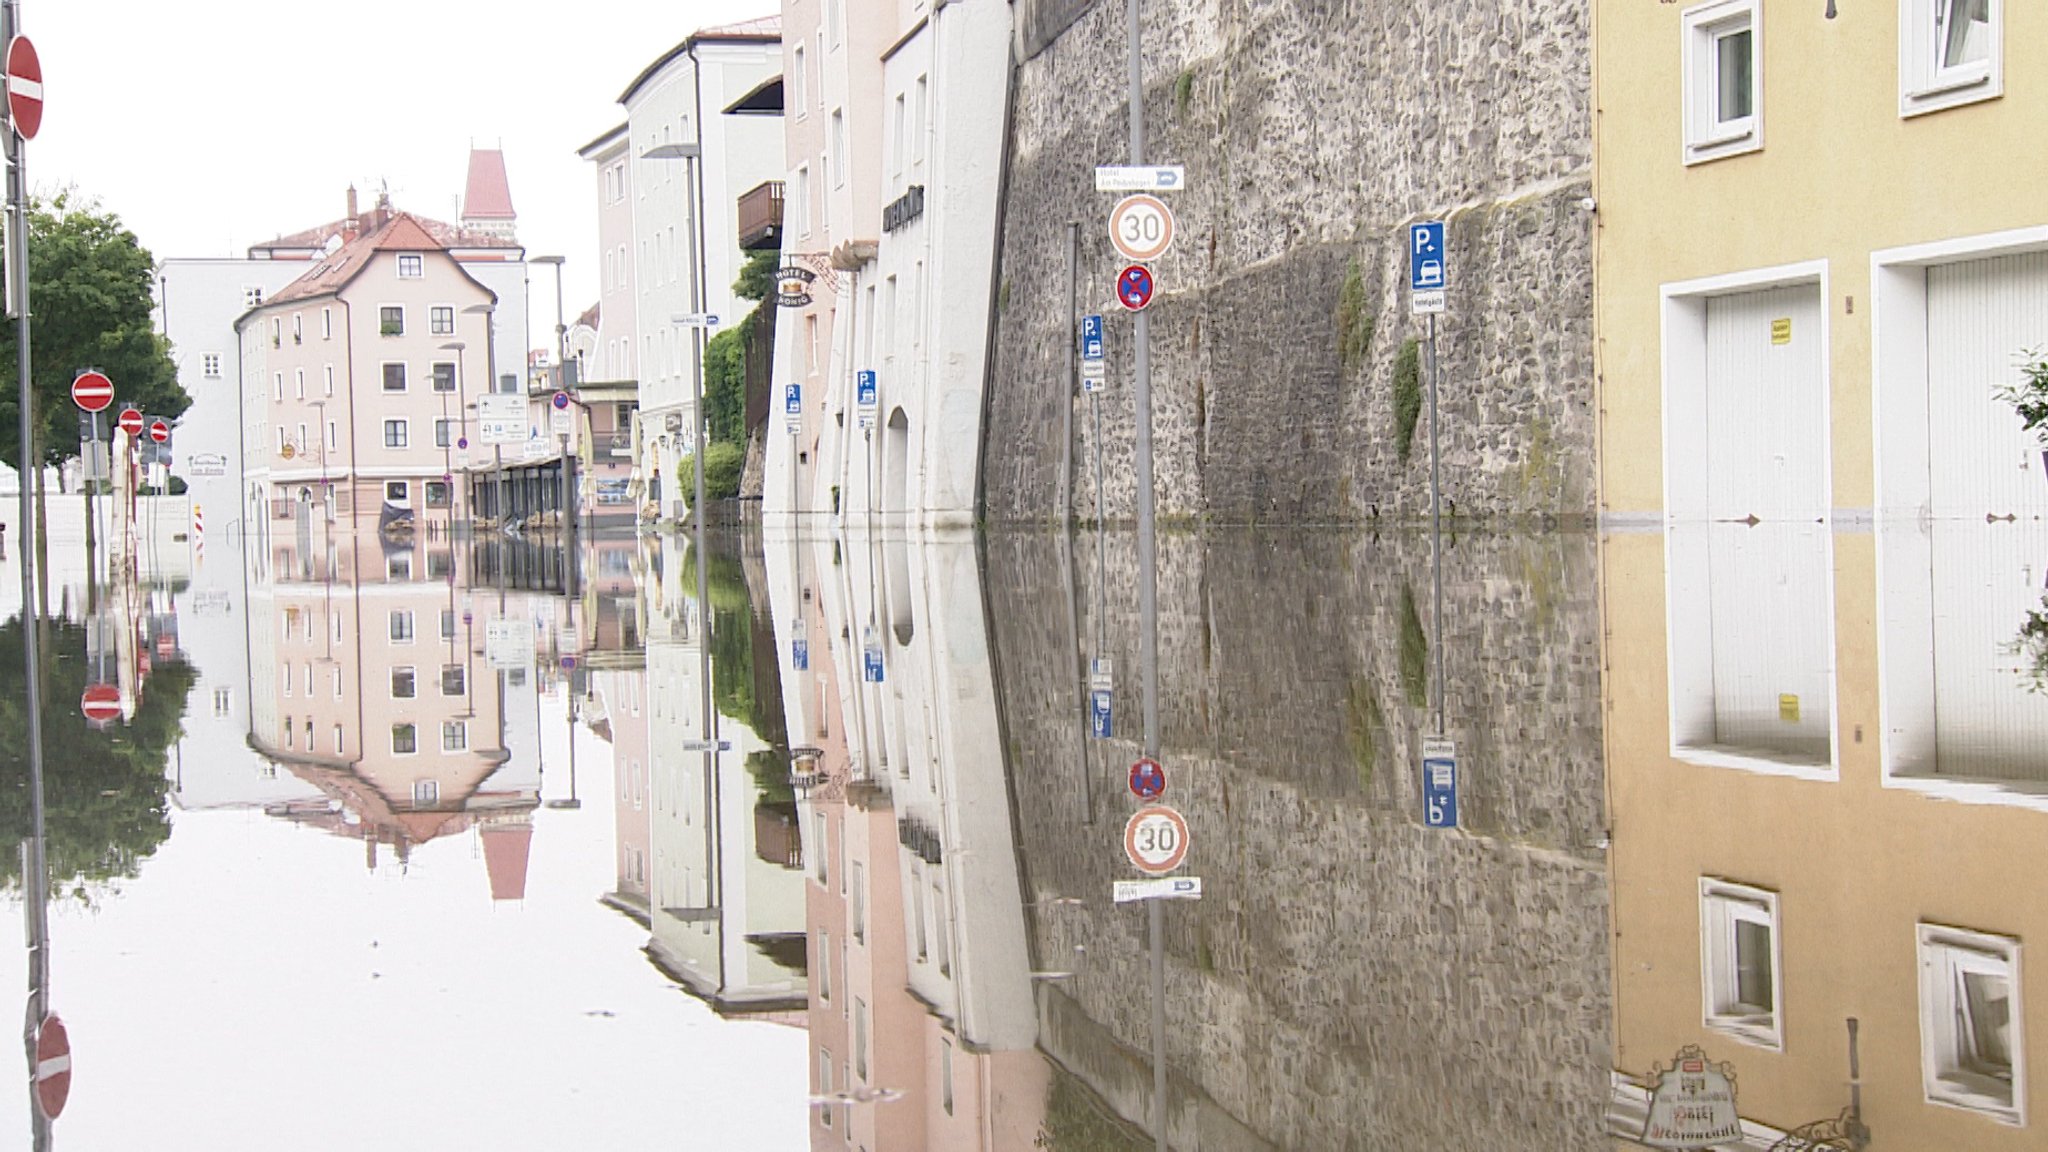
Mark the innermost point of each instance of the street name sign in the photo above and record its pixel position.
(1141, 227)
(1439, 783)
(1428, 268)
(92, 391)
(1142, 178)
(1164, 888)
(696, 319)
(1156, 840)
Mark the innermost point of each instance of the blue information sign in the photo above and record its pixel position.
(871, 664)
(793, 399)
(800, 654)
(1427, 266)
(864, 387)
(1101, 714)
(1091, 337)
(1439, 784)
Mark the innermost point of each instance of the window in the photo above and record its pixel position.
(298, 328)
(210, 364)
(454, 679)
(1972, 1053)
(252, 297)
(917, 911)
(824, 870)
(391, 320)
(825, 1084)
(327, 380)
(810, 364)
(859, 912)
(337, 739)
(327, 323)
(860, 1038)
(946, 1075)
(441, 320)
(223, 701)
(404, 684)
(287, 671)
(444, 376)
(401, 626)
(447, 623)
(394, 377)
(405, 740)
(923, 111)
(1739, 962)
(800, 199)
(941, 943)
(276, 332)
(440, 564)
(797, 81)
(426, 792)
(411, 266)
(437, 492)
(277, 386)
(299, 384)
(838, 164)
(1951, 52)
(454, 736)
(900, 140)
(335, 680)
(399, 566)
(824, 967)
(290, 732)
(1723, 80)
(396, 434)
(444, 430)
(332, 435)
(397, 492)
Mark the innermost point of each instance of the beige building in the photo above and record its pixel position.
(360, 373)
(1820, 256)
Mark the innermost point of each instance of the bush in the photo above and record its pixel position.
(1354, 323)
(1407, 396)
(723, 464)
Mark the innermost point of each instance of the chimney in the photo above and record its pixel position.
(348, 224)
(351, 201)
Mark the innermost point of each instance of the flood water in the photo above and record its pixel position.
(430, 844)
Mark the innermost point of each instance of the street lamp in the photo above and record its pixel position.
(448, 434)
(490, 315)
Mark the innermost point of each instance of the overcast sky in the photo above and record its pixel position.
(212, 124)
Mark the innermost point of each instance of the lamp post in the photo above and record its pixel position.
(490, 315)
(448, 434)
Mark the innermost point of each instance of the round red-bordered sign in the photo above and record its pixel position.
(1134, 287)
(100, 703)
(1141, 227)
(1148, 779)
(159, 431)
(24, 87)
(92, 391)
(1156, 840)
(53, 1066)
(131, 421)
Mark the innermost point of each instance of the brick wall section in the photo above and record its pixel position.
(1312, 134)
(1351, 978)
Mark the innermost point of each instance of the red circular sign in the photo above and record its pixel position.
(1156, 840)
(1134, 287)
(24, 87)
(92, 391)
(159, 431)
(1148, 779)
(131, 421)
(53, 1066)
(100, 702)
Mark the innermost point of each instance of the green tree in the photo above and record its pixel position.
(104, 803)
(90, 285)
(725, 383)
(757, 276)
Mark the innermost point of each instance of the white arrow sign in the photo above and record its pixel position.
(696, 319)
(1159, 178)
(1165, 888)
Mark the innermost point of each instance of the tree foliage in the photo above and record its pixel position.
(104, 803)
(757, 276)
(90, 301)
(725, 383)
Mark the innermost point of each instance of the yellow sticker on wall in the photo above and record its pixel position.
(1781, 330)
(1788, 707)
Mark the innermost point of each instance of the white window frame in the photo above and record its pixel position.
(801, 85)
(1945, 954)
(441, 320)
(1707, 137)
(210, 364)
(412, 266)
(413, 751)
(398, 433)
(1724, 905)
(400, 629)
(412, 682)
(1926, 86)
(426, 792)
(454, 736)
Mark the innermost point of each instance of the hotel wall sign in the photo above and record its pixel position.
(793, 286)
(904, 208)
(1692, 1103)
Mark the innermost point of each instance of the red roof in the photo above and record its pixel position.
(400, 233)
(488, 194)
(765, 30)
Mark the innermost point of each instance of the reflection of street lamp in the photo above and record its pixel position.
(568, 491)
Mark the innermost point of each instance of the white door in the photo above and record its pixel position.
(1981, 315)
(1990, 650)
(1766, 406)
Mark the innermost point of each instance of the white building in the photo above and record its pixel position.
(613, 355)
(915, 456)
(682, 98)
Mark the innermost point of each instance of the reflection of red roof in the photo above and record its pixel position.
(506, 847)
(445, 234)
(488, 193)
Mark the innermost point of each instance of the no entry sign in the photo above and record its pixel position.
(100, 702)
(24, 87)
(53, 1066)
(92, 391)
(159, 431)
(131, 421)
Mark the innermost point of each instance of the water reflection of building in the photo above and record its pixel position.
(1351, 977)
(1756, 915)
(725, 905)
(368, 680)
(921, 1012)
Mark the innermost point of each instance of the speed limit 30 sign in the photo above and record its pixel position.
(1156, 840)
(1141, 227)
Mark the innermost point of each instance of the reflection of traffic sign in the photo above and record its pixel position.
(792, 399)
(1428, 267)
(1134, 287)
(1439, 783)
(561, 401)
(1156, 840)
(131, 421)
(100, 702)
(24, 87)
(92, 391)
(1163, 888)
(1141, 227)
(800, 654)
(1101, 714)
(1148, 779)
(160, 432)
(871, 664)
(53, 1066)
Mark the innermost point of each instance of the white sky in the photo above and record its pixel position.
(210, 125)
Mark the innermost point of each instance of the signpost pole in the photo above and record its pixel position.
(1436, 541)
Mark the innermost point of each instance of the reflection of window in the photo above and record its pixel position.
(426, 791)
(404, 684)
(824, 967)
(825, 1084)
(337, 739)
(401, 624)
(860, 904)
(824, 870)
(405, 740)
(397, 491)
(1739, 961)
(860, 1038)
(940, 941)
(1972, 1053)
(454, 680)
(288, 729)
(1950, 52)
(946, 1074)
(223, 701)
(454, 736)
(1723, 80)
(437, 497)
(210, 364)
(399, 567)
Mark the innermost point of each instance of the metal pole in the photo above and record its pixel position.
(1436, 542)
(1073, 368)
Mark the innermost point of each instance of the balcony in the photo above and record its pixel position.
(761, 216)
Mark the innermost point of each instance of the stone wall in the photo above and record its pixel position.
(1313, 133)
(1351, 978)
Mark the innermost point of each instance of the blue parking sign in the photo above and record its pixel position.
(800, 653)
(864, 388)
(1428, 266)
(1101, 714)
(1439, 783)
(793, 399)
(1091, 337)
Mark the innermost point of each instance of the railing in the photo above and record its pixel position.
(760, 216)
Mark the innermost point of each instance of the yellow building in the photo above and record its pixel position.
(1822, 247)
